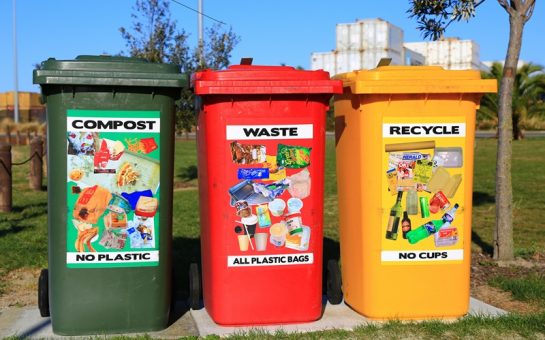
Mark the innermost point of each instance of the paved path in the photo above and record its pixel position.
(26, 322)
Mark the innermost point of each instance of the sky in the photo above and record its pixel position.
(271, 31)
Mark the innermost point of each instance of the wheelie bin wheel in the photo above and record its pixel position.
(43, 293)
(334, 281)
(194, 286)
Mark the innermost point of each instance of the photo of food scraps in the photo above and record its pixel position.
(99, 214)
(111, 164)
(113, 192)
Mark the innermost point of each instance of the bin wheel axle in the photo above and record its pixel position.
(43, 293)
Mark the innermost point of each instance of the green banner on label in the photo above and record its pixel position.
(113, 179)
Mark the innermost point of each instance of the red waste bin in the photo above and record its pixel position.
(261, 142)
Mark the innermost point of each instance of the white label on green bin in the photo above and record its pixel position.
(424, 217)
(113, 174)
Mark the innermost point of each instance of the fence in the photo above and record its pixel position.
(35, 176)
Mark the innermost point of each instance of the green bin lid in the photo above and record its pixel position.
(111, 71)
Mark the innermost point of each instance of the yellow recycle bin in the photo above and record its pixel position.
(405, 139)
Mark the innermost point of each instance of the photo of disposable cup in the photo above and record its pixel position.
(277, 206)
(243, 242)
(278, 233)
(294, 205)
(250, 223)
(261, 241)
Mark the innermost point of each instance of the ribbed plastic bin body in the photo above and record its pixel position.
(405, 140)
(261, 140)
(110, 150)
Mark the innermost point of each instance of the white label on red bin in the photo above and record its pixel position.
(270, 260)
(423, 130)
(251, 132)
(422, 255)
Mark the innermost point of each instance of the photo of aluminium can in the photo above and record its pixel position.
(424, 207)
(439, 201)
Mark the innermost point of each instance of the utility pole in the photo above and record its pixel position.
(15, 75)
(201, 43)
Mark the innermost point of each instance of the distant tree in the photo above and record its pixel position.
(433, 17)
(528, 92)
(156, 38)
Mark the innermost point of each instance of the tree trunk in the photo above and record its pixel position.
(503, 234)
(517, 128)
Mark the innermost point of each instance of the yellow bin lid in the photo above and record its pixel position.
(416, 79)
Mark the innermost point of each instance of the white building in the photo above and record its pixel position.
(362, 44)
(450, 53)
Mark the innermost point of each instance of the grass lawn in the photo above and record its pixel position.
(23, 233)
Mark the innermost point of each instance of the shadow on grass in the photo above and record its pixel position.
(20, 214)
(486, 247)
(12, 229)
(37, 209)
(480, 198)
(188, 173)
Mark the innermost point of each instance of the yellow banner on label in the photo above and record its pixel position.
(423, 190)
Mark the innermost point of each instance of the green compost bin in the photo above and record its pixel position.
(110, 150)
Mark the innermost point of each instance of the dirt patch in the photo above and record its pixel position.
(21, 288)
(502, 299)
(183, 186)
(483, 269)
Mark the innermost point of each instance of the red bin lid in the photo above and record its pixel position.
(254, 79)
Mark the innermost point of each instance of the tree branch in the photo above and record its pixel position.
(476, 5)
(517, 4)
(507, 7)
(528, 9)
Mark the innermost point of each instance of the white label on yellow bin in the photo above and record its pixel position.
(423, 170)
(292, 131)
(422, 255)
(429, 130)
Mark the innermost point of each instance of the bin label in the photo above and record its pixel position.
(113, 174)
(423, 255)
(267, 260)
(271, 220)
(423, 165)
(429, 130)
(245, 132)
